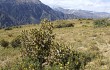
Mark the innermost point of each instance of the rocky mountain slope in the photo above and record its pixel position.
(28, 11)
(6, 20)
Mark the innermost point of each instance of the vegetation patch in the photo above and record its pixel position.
(44, 47)
(16, 42)
(4, 43)
(41, 52)
(64, 25)
(8, 28)
(101, 23)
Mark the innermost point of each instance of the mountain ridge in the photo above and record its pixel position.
(4, 18)
(21, 12)
(21, 1)
(29, 12)
(83, 13)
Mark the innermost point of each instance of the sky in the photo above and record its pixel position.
(92, 5)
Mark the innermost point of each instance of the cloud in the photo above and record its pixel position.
(93, 5)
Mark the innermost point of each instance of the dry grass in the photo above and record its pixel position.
(81, 37)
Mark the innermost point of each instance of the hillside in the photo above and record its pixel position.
(6, 20)
(28, 11)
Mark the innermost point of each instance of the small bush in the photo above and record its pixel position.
(80, 19)
(81, 22)
(64, 25)
(17, 26)
(8, 28)
(0, 28)
(16, 42)
(41, 52)
(90, 19)
(87, 22)
(4, 43)
(10, 35)
(37, 45)
(84, 26)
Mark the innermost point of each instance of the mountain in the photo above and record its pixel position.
(5, 20)
(102, 14)
(27, 11)
(20, 12)
(83, 13)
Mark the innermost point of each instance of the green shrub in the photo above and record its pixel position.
(81, 22)
(8, 28)
(101, 23)
(37, 45)
(64, 25)
(17, 26)
(84, 26)
(41, 52)
(10, 35)
(90, 19)
(69, 59)
(80, 19)
(4, 43)
(16, 42)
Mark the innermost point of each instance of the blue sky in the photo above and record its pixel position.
(93, 5)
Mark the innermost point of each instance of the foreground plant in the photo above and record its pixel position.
(37, 45)
(41, 52)
(4, 43)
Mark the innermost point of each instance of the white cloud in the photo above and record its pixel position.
(93, 5)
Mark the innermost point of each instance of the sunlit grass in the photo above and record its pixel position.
(81, 37)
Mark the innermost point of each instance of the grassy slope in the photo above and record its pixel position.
(81, 37)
